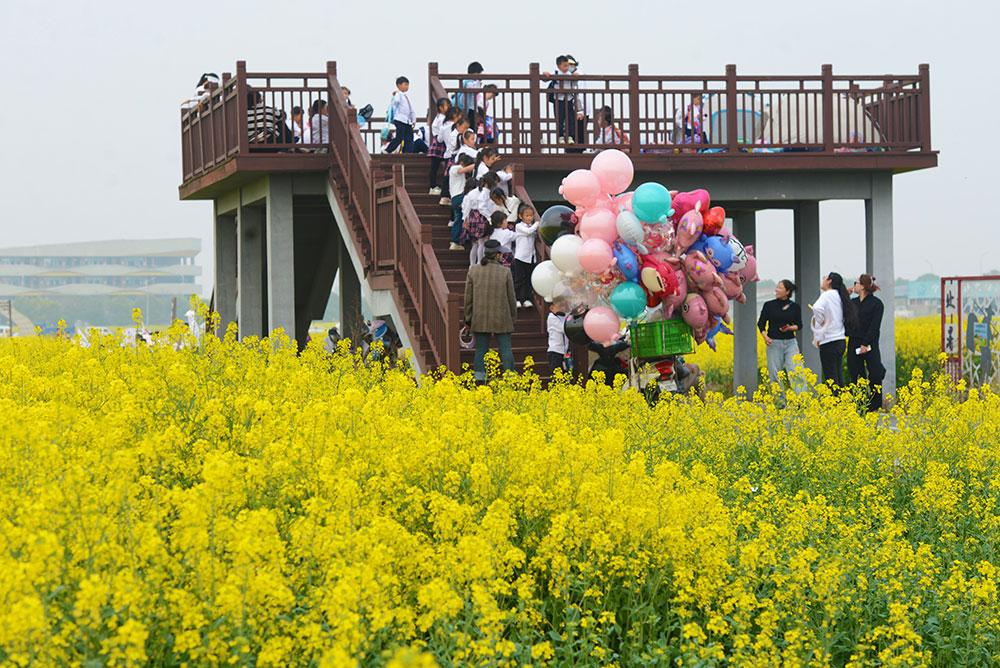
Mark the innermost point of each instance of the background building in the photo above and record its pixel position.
(100, 283)
(164, 267)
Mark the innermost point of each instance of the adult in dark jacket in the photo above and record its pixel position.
(779, 320)
(490, 308)
(863, 357)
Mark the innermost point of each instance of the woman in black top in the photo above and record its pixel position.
(779, 320)
(862, 342)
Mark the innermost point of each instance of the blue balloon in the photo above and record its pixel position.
(699, 244)
(628, 299)
(651, 203)
(719, 253)
(627, 261)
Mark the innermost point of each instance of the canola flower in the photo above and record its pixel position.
(228, 503)
(918, 345)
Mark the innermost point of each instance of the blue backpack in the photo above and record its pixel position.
(390, 112)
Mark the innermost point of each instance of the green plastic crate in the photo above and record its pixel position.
(661, 338)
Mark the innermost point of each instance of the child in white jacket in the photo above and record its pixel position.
(526, 231)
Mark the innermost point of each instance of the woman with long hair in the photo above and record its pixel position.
(863, 357)
(833, 316)
(779, 320)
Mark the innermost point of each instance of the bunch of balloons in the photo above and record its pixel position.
(639, 256)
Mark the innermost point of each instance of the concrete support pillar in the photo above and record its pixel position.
(351, 320)
(745, 315)
(225, 270)
(808, 276)
(880, 264)
(250, 270)
(280, 242)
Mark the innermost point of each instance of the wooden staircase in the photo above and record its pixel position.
(401, 235)
(529, 338)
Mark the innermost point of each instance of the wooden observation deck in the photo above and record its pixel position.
(289, 215)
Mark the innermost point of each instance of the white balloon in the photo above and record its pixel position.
(565, 254)
(544, 279)
(630, 230)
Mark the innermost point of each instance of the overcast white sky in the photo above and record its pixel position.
(90, 120)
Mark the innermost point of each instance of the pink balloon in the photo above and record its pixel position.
(599, 224)
(684, 202)
(595, 255)
(701, 272)
(674, 302)
(581, 188)
(688, 230)
(624, 201)
(733, 286)
(748, 274)
(602, 324)
(613, 169)
(717, 302)
(695, 311)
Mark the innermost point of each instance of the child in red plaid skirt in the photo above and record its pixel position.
(478, 207)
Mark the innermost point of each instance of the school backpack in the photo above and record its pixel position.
(390, 113)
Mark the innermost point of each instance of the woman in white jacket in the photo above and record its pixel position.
(832, 312)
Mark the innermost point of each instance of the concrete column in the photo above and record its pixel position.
(745, 315)
(225, 270)
(250, 270)
(280, 255)
(808, 276)
(351, 320)
(881, 265)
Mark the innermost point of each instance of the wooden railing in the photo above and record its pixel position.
(396, 241)
(250, 113)
(254, 113)
(823, 113)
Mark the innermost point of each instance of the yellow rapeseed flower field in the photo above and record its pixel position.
(918, 344)
(230, 503)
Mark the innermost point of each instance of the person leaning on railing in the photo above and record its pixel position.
(202, 91)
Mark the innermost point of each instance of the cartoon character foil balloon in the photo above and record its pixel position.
(717, 302)
(658, 277)
(694, 311)
(719, 253)
(651, 203)
(701, 271)
(708, 333)
(733, 287)
(748, 273)
(630, 230)
(674, 302)
(700, 244)
(684, 202)
(626, 261)
(688, 230)
(739, 255)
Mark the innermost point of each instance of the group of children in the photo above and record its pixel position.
(479, 196)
